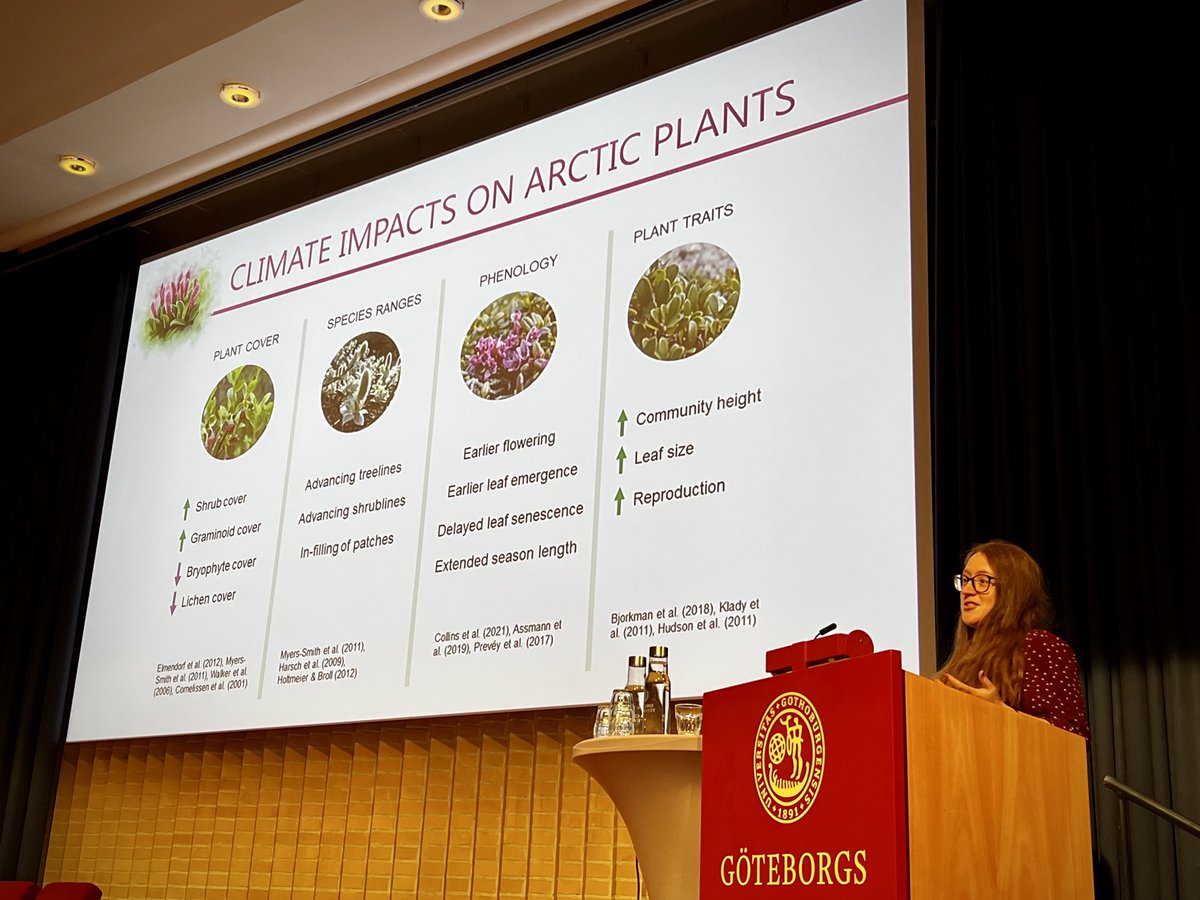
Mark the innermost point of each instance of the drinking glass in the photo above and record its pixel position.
(603, 713)
(688, 718)
(623, 719)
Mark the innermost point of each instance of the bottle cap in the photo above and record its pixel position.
(658, 651)
(637, 660)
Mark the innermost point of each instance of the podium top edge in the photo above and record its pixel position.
(651, 743)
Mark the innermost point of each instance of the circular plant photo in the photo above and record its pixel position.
(508, 345)
(361, 381)
(684, 301)
(237, 412)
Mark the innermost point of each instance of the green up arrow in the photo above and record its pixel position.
(621, 461)
(619, 498)
(621, 420)
(187, 504)
(182, 538)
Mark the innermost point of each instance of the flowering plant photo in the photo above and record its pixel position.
(509, 345)
(178, 306)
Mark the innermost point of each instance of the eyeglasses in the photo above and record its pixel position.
(981, 583)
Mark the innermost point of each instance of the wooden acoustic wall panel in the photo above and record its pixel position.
(478, 806)
(997, 801)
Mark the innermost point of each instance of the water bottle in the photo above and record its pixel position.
(656, 707)
(635, 683)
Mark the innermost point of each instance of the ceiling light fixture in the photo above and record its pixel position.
(442, 10)
(241, 96)
(76, 165)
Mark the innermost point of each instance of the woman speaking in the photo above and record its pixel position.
(1002, 650)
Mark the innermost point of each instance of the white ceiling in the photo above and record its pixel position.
(133, 85)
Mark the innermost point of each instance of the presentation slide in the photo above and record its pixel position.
(464, 438)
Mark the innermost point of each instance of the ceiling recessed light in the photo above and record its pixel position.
(76, 165)
(240, 95)
(442, 10)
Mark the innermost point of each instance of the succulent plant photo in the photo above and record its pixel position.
(508, 345)
(361, 381)
(684, 301)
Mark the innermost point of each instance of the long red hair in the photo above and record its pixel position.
(995, 645)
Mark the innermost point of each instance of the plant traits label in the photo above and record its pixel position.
(803, 784)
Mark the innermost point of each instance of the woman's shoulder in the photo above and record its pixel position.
(1050, 686)
(1042, 643)
(1042, 637)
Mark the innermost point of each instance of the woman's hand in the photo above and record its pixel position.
(988, 692)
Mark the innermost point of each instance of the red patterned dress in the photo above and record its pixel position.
(1051, 688)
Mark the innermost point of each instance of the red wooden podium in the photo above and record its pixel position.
(844, 776)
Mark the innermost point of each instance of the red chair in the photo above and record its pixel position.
(69, 890)
(18, 890)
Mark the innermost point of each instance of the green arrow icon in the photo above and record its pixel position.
(182, 538)
(187, 504)
(619, 498)
(621, 420)
(621, 461)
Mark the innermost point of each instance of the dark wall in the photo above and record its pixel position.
(1065, 385)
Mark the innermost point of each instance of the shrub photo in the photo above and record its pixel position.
(237, 412)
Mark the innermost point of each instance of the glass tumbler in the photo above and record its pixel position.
(623, 718)
(688, 718)
(600, 728)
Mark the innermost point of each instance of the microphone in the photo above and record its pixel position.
(824, 631)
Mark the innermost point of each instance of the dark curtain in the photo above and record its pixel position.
(1065, 376)
(64, 318)
(1065, 401)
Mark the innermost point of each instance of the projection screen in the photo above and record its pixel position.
(463, 438)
